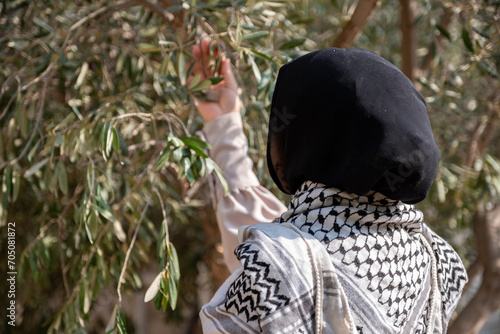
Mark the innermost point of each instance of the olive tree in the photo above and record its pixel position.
(102, 171)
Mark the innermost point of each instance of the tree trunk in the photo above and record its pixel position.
(358, 20)
(409, 38)
(214, 256)
(487, 300)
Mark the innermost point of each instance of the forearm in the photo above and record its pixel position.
(247, 202)
(229, 150)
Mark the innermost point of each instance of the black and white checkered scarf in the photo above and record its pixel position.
(376, 245)
(339, 263)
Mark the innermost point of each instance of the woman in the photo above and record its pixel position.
(349, 136)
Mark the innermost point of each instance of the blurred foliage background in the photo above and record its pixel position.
(105, 178)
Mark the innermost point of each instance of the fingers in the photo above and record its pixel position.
(202, 53)
(228, 75)
(197, 67)
(205, 46)
(196, 51)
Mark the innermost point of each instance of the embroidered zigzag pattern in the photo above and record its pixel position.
(451, 272)
(254, 293)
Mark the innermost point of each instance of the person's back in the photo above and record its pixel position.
(380, 270)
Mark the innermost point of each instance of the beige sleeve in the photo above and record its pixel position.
(246, 202)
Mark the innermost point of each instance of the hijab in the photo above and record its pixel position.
(349, 119)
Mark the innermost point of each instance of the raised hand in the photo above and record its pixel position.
(222, 97)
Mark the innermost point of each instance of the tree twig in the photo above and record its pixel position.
(193, 190)
(155, 133)
(61, 257)
(120, 6)
(158, 9)
(132, 242)
(73, 199)
(7, 106)
(91, 190)
(476, 134)
(42, 76)
(179, 121)
(89, 17)
(95, 246)
(38, 119)
(164, 213)
(135, 114)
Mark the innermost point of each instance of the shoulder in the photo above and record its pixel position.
(275, 281)
(274, 261)
(266, 234)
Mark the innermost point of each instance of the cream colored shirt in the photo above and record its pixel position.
(247, 202)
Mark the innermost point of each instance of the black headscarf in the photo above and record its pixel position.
(349, 119)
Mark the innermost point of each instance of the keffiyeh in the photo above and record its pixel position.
(398, 275)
